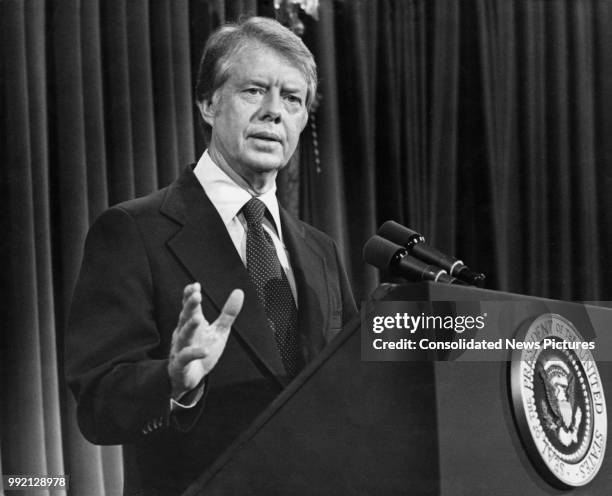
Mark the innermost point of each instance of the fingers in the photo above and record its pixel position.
(188, 354)
(192, 297)
(191, 316)
(230, 311)
(185, 333)
(189, 290)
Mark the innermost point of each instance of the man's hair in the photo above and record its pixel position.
(227, 41)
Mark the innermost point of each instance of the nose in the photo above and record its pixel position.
(271, 106)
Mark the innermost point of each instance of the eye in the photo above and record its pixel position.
(253, 91)
(293, 99)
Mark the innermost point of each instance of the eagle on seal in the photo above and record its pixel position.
(559, 410)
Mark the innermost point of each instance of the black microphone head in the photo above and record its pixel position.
(399, 234)
(380, 252)
(471, 277)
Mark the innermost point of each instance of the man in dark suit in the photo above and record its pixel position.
(150, 355)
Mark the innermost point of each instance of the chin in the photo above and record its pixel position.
(265, 164)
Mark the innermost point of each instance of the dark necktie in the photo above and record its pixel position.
(272, 285)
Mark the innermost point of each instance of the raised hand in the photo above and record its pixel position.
(196, 344)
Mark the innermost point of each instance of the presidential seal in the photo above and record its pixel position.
(558, 401)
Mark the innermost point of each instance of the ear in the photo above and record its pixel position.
(207, 110)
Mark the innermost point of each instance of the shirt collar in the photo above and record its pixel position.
(229, 198)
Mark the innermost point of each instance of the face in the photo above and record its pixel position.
(258, 114)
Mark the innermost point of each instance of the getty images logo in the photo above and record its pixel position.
(413, 323)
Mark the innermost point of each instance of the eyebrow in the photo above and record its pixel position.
(294, 89)
(287, 88)
(256, 80)
(262, 81)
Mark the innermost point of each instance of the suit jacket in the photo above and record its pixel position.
(138, 257)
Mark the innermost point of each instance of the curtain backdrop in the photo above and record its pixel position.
(480, 123)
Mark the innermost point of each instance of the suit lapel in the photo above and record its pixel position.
(308, 264)
(205, 249)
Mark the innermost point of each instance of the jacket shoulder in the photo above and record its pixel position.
(144, 204)
(316, 235)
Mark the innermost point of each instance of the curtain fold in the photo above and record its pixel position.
(532, 92)
(442, 185)
(25, 445)
(118, 101)
(181, 70)
(94, 112)
(559, 163)
(37, 100)
(387, 112)
(414, 59)
(584, 152)
(326, 206)
(142, 115)
(163, 83)
(496, 43)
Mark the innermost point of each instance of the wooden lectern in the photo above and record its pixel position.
(424, 427)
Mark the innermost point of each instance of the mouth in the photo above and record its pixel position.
(267, 136)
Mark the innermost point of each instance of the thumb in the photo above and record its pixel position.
(230, 311)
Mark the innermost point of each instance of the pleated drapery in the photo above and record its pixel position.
(481, 123)
(98, 104)
(546, 98)
(31, 434)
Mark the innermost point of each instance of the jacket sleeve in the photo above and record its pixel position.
(122, 392)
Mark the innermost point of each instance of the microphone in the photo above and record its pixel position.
(395, 259)
(416, 245)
